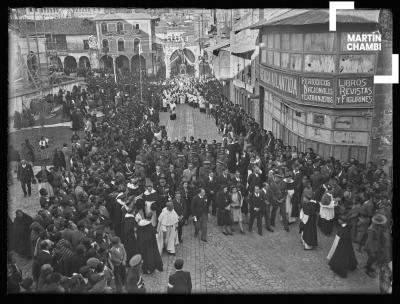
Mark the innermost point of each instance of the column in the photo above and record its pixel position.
(167, 67)
(114, 66)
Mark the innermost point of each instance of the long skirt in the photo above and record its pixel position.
(164, 109)
(202, 110)
(224, 218)
(148, 248)
(326, 226)
(172, 116)
(48, 187)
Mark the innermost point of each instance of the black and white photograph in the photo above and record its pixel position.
(200, 150)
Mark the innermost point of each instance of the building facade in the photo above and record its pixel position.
(314, 91)
(120, 39)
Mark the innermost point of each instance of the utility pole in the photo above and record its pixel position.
(37, 47)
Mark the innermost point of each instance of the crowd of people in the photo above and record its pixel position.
(121, 195)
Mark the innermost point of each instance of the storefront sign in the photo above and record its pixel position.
(282, 82)
(316, 89)
(354, 90)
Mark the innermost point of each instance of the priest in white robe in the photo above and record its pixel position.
(167, 234)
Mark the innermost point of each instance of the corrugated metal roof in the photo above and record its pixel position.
(317, 16)
(241, 48)
(217, 46)
(123, 16)
(65, 26)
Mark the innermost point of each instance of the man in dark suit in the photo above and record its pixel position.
(180, 281)
(211, 187)
(224, 178)
(199, 208)
(257, 209)
(25, 176)
(279, 192)
(180, 209)
(267, 196)
(244, 164)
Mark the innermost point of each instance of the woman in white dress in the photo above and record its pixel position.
(236, 205)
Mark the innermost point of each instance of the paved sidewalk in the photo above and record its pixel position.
(272, 263)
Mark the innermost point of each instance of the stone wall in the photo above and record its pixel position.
(382, 129)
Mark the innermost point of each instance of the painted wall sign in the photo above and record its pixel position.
(316, 89)
(354, 90)
(360, 138)
(282, 82)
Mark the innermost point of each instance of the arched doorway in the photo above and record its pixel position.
(182, 62)
(84, 63)
(70, 65)
(135, 64)
(32, 64)
(56, 63)
(122, 64)
(106, 63)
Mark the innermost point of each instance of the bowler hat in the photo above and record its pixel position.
(93, 262)
(379, 219)
(135, 260)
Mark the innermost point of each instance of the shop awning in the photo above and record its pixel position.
(241, 48)
(319, 16)
(217, 46)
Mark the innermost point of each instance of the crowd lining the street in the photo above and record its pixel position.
(118, 197)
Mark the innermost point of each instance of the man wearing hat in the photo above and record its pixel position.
(204, 171)
(118, 260)
(180, 205)
(377, 245)
(164, 194)
(134, 281)
(279, 193)
(211, 186)
(180, 282)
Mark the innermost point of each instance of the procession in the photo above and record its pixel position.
(132, 194)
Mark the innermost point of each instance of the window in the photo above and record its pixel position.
(137, 26)
(136, 44)
(85, 44)
(112, 27)
(105, 45)
(103, 28)
(318, 119)
(119, 27)
(121, 45)
(127, 27)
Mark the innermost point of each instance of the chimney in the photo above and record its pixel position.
(261, 14)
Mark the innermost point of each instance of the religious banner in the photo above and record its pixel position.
(316, 89)
(286, 84)
(355, 90)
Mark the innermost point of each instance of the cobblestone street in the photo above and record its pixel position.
(272, 263)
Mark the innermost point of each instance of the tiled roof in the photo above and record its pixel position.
(124, 16)
(66, 26)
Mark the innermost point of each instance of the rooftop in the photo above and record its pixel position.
(65, 26)
(124, 16)
(318, 16)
